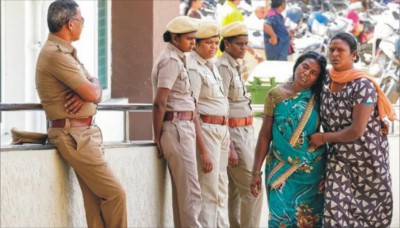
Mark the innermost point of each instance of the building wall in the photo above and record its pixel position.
(38, 189)
(137, 28)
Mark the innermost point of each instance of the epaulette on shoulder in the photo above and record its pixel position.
(191, 64)
(173, 54)
(62, 49)
(224, 62)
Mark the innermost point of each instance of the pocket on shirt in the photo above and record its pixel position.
(237, 89)
(210, 87)
(184, 80)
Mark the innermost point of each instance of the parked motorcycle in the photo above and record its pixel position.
(386, 31)
(363, 31)
(386, 64)
(390, 77)
(365, 38)
(304, 40)
(326, 25)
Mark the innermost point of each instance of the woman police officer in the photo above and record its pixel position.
(173, 120)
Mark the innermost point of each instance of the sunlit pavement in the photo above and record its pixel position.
(394, 150)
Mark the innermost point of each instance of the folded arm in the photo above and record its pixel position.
(89, 91)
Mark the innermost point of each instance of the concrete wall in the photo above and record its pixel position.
(38, 189)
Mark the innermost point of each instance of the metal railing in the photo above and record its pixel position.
(126, 108)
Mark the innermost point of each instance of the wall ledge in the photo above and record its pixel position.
(106, 145)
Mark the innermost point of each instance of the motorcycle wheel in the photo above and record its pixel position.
(391, 89)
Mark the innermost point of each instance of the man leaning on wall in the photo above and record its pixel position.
(69, 96)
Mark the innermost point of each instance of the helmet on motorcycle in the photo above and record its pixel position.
(317, 17)
(294, 14)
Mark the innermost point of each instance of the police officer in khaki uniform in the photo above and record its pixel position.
(173, 120)
(244, 209)
(213, 134)
(62, 80)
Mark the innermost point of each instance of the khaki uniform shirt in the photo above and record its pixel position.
(239, 101)
(59, 71)
(169, 72)
(206, 85)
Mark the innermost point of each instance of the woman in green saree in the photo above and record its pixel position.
(294, 171)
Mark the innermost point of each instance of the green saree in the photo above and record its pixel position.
(294, 176)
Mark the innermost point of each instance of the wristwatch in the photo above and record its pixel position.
(256, 173)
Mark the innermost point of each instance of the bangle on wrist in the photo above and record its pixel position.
(256, 173)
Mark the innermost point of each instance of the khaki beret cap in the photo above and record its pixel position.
(234, 29)
(20, 137)
(182, 24)
(207, 29)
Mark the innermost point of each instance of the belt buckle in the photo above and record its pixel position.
(249, 120)
(181, 115)
(55, 123)
(175, 116)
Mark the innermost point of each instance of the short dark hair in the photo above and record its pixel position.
(60, 11)
(349, 39)
(167, 36)
(321, 60)
(276, 3)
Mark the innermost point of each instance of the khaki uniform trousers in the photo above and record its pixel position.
(244, 208)
(103, 195)
(178, 142)
(214, 185)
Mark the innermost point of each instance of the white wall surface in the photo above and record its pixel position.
(38, 189)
